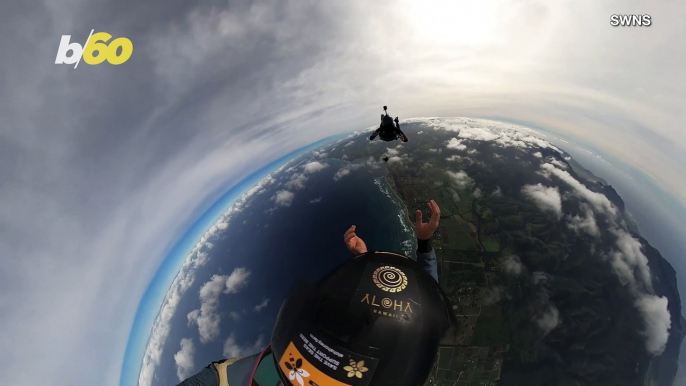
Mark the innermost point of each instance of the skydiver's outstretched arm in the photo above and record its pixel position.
(374, 134)
(400, 132)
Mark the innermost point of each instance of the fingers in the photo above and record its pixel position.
(418, 218)
(349, 234)
(435, 213)
(435, 210)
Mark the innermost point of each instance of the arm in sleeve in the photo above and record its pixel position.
(426, 257)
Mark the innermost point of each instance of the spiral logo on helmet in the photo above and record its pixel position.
(389, 279)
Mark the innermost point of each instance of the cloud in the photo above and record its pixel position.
(456, 144)
(206, 317)
(184, 359)
(391, 151)
(185, 278)
(314, 167)
(297, 181)
(557, 163)
(538, 154)
(539, 277)
(345, 170)
(234, 350)
(454, 195)
(657, 321)
(477, 193)
(492, 295)
(395, 160)
(627, 259)
(549, 319)
(237, 280)
(499, 133)
(513, 265)
(599, 201)
(547, 198)
(261, 306)
(283, 198)
(586, 224)
(235, 315)
(316, 200)
(460, 179)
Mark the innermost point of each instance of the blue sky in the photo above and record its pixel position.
(103, 169)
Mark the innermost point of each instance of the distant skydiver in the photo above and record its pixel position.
(388, 130)
(377, 319)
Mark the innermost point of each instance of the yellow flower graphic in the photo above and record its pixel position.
(355, 369)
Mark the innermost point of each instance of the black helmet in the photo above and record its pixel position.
(375, 320)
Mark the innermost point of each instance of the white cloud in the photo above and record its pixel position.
(234, 350)
(454, 157)
(538, 154)
(497, 192)
(477, 193)
(345, 170)
(460, 179)
(391, 151)
(628, 261)
(492, 295)
(599, 201)
(454, 195)
(314, 167)
(547, 198)
(557, 163)
(341, 173)
(539, 277)
(513, 265)
(549, 319)
(262, 305)
(297, 181)
(396, 160)
(206, 318)
(283, 198)
(235, 315)
(184, 359)
(587, 223)
(316, 200)
(237, 280)
(500, 133)
(456, 144)
(657, 322)
(196, 259)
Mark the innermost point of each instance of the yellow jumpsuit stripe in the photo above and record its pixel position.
(221, 370)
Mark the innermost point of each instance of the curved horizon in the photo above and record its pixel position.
(164, 277)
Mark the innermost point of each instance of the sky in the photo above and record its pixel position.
(104, 168)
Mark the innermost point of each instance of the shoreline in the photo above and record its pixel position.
(406, 218)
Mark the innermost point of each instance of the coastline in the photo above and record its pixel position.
(406, 217)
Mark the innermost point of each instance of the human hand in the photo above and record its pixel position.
(423, 230)
(354, 243)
